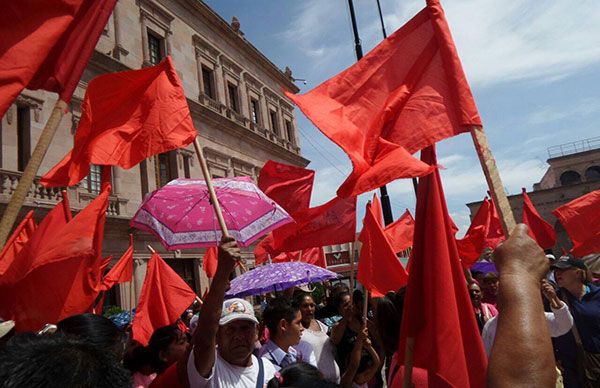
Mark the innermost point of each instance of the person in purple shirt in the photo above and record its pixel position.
(583, 299)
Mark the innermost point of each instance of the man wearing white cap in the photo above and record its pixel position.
(226, 334)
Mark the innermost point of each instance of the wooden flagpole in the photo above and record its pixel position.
(488, 164)
(351, 267)
(131, 284)
(16, 201)
(366, 305)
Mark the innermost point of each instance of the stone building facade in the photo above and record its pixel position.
(573, 171)
(235, 96)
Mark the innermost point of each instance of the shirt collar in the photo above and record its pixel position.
(276, 353)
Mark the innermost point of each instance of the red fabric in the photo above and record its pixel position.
(210, 261)
(406, 94)
(400, 232)
(59, 270)
(581, 219)
(164, 297)
(17, 241)
(289, 186)
(314, 255)
(145, 115)
(105, 263)
(168, 379)
(379, 269)
(376, 209)
(437, 308)
(539, 229)
(122, 271)
(485, 232)
(328, 224)
(263, 249)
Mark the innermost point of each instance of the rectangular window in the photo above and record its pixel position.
(274, 122)
(289, 131)
(186, 167)
(232, 90)
(208, 82)
(23, 136)
(94, 179)
(254, 107)
(155, 48)
(144, 178)
(163, 169)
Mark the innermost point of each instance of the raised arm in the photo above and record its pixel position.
(522, 352)
(204, 340)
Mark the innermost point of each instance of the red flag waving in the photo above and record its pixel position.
(407, 93)
(164, 297)
(485, 232)
(63, 269)
(376, 209)
(210, 261)
(437, 309)
(263, 249)
(400, 232)
(379, 269)
(328, 224)
(50, 45)
(126, 118)
(289, 186)
(539, 230)
(17, 241)
(581, 219)
(122, 271)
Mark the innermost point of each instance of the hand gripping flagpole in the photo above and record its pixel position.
(16, 201)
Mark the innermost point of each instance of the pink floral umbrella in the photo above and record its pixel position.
(181, 216)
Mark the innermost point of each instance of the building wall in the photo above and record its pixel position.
(234, 145)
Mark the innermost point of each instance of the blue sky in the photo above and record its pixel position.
(533, 67)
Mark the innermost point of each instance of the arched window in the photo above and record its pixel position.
(570, 178)
(592, 173)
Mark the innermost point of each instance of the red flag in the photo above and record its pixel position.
(406, 94)
(63, 269)
(379, 269)
(289, 186)
(485, 232)
(438, 310)
(539, 229)
(17, 241)
(126, 118)
(50, 45)
(400, 232)
(328, 224)
(210, 261)
(105, 263)
(263, 249)
(377, 211)
(581, 219)
(314, 255)
(122, 271)
(164, 297)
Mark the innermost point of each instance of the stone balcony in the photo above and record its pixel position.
(40, 195)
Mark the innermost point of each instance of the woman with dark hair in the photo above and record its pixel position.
(167, 345)
(139, 362)
(97, 330)
(315, 333)
(483, 311)
(300, 375)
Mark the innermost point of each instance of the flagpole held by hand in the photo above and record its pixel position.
(408, 362)
(18, 197)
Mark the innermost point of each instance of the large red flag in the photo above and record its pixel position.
(17, 241)
(328, 224)
(50, 45)
(379, 269)
(263, 249)
(400, 232)
(289, 186)
(581, 219)
(437, 309)
(485, 232)
(210, 261)
(407, 93)
(314, 255)
(539, 230)
(122, 271)
(63, 273)
(376, 209)
(164, 297)
(126, 118)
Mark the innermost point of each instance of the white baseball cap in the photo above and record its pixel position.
(236, 308)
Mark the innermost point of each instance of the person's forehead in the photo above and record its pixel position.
(239, 324)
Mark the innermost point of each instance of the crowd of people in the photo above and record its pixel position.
(299, 340)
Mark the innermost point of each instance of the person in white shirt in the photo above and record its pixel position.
(559, 321)
(227, 331)
(283, 319)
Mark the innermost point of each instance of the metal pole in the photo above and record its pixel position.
(386, 205)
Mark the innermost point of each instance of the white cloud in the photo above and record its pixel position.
(581, 109)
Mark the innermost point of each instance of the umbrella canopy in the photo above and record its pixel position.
(277, 277)
(181, 216)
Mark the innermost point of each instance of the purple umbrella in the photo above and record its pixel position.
(277, 277)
